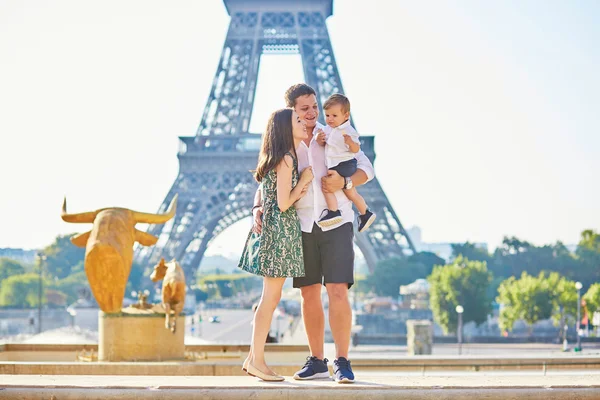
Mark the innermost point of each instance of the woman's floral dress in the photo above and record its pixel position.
(277, 251)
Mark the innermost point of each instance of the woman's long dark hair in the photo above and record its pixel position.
(277, 140)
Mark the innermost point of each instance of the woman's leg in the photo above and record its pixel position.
(262, 321)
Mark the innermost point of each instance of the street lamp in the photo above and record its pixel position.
(578, 286)
(459, 311)
(41, 257)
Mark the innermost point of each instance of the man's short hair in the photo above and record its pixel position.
(300, 89)
(337, 98)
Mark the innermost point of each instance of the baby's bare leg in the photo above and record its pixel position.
(331, 200)
(357, 199)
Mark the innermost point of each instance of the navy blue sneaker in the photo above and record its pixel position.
(343, 371)
(313, 369)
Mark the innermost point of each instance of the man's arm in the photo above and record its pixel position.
(365, 172)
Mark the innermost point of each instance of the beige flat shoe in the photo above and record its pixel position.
(252, 370)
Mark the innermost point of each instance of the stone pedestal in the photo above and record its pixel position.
(419, 337)
(139, 336)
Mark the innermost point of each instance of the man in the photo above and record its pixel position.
(328, 251)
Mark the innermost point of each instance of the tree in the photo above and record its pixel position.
(428, 260)
(588, 254)
(565, 299)
(515, 256)
(592, 299)
(20, 291)
(462, 283)
(63, 257)
(9, 267)
(227, 285)
(590, 240)
(528, 298)
(55, 298)
(71, 286)
(471, 252)
(390, 274)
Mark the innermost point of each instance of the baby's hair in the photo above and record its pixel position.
(337, 98)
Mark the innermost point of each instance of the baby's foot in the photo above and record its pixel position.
(330, 218)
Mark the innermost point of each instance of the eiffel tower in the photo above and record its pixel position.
(214, 184)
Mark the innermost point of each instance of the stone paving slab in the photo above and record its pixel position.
(232, 367)
(454, 381)
(64, 387)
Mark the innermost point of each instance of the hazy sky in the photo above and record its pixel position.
(486, 114)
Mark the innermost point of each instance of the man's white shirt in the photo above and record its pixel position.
(313, 203)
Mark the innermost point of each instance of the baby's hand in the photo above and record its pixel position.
(347, 139)
(321, 137)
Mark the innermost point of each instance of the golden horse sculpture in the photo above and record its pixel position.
(173, 289)
(109, 248)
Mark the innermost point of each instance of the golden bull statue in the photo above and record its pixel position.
(109, 248)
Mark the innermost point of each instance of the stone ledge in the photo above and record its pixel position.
(224, 348)
(291, 394)
(230, 387)
(215, 366)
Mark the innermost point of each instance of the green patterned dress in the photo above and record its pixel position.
(277, 251)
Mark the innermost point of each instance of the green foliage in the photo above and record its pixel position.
(590, 240)
(138, 279)
(63, 258)
(55, 298)
(462, 283)
(204, 279)
(592, 299)
(588, 255)
(428, 260)
(471, 252)
(516, 256)
(9, 267)
(565, 299)
(71, 286)
(390, 274)
(227, 285)
(20, 291)
(529, 298)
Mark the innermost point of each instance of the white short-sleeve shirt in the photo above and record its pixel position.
(336, 150)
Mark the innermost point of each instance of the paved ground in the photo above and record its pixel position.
(403, 381)
(229, 387)
(234, 328)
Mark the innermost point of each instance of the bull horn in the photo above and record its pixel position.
(81, 218)
(147, 218)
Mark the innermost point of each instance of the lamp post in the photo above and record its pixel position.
(459, 311)
(41, 258)
(578, 286)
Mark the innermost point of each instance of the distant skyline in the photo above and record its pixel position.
(485, 114)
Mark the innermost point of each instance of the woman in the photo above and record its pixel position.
(275, 253)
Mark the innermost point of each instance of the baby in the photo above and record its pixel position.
(340, 149)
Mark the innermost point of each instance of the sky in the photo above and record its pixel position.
(486, 115)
